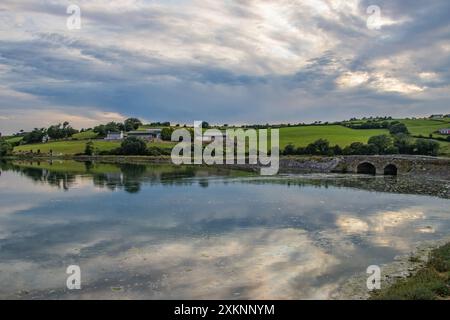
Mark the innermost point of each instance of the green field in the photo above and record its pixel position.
(74, 147)
(13, 139)
(335, 134)
(85, 135)
(425, 127)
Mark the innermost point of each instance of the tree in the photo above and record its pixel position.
(337, 150)
(427, 147)
(359, 148)
(381, 142)
(103, 129)
(404, 143)
(205, 125)
(289, 149)
(34, 136)
(166, 134)
(133, 146)
(132, 124)
(5, 149)
(398, 128)
(89, 148)
(61, 132)
(318, 147)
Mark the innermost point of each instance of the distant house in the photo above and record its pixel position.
(447, 116)
(114, 136)
(436, 116)
(444, 131)
(45, 139)
(148, 134)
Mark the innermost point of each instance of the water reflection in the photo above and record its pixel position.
(128, 177)
(170, 232)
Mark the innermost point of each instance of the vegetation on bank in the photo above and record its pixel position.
(382, 144)
(356, 136)
(79, 147)
(430, 283)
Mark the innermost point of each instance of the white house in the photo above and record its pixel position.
(114, 136)
(436, 116)
(444, 131)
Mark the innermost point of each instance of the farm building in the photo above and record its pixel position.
(114, 136)
(146, 134)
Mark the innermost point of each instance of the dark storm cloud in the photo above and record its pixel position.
(251, 61)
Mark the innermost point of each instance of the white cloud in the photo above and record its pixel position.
(353, 79)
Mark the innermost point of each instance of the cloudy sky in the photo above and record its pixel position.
(228, 61)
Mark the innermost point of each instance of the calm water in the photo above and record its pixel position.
(162, 232)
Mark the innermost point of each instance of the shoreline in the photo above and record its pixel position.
(402, 267)
(407, 165)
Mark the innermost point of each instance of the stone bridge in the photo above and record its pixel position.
(394, 165)
(376, 165)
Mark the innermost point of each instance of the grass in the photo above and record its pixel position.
(430, 283)
(74, 147)
(425, 127)
(13, 139)
(86, 135)
(335, 134)
(445, 148)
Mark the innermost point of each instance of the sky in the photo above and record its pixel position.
(228, 61)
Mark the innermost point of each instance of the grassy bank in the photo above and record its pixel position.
(430, 283)
(77, 147)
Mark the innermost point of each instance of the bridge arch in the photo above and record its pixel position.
(366, 168)
(390, 170)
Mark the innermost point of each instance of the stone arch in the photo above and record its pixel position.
(390, 170)
(366, 168)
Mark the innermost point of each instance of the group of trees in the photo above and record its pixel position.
(318, 147)
(129, 124)
(57, 131)
(35, 136)
(129, 146)
(60, 131)
(394, 127)
(161, 124)
(5, 148)
(381, 144)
